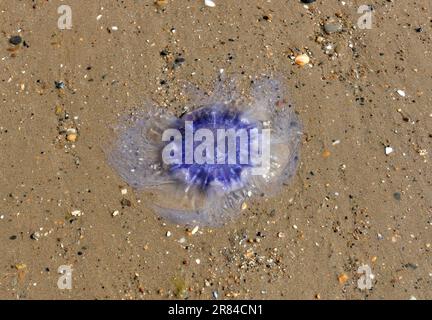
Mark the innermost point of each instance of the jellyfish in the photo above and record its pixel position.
(202, 167)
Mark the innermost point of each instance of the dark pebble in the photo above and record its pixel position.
(419, 29)
(13, 237)
(59, 84)
(179, 61)
(164, 53)
(410, 265)
(15, 40)
(397, 195)
(125, 202)
(307, 1)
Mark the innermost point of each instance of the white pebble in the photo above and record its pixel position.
(209, 3)
(401, 92)
(195, 230)
(388, 150)
(76, 213)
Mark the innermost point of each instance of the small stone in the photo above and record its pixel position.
(125, 202)
(123, 191)
(161, 3)
(397, 195)
(15, 40)
(319, 39)
(168, 234)
(308, 1)
(209, 3)
(342, 278)
(194, 230)
(332, 27)
(302, 59)
(20, 266)
(58, 110)
(401, 92)
(388, 150)
(179, 61)
(35, 235)
(59, 84)
(164, 53)
(326, 154)
(76, 213)
(71, 137)
(115, 213)
(267, 17)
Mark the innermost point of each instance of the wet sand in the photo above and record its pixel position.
(361, 196)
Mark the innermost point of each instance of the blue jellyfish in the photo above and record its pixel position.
(202, 167)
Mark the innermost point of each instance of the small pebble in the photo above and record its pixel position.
(342, 278)
(401, 93)
(194, 230)
(15, 40)
(35, 236)
(125, 202)
(59, 84)
(332, 27)
(71, 137)
(209, 3)
(307, 1)
(76, 213)
(302, 59)
(388, 150)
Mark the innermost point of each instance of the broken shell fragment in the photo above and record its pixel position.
(302, 59)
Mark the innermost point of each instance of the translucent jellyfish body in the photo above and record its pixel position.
(202, 167)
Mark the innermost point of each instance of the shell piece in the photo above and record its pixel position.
(210, 193)
(302, 59)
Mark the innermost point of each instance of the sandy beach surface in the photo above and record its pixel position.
(362, 195)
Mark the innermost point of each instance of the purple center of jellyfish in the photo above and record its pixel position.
(213, 117)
